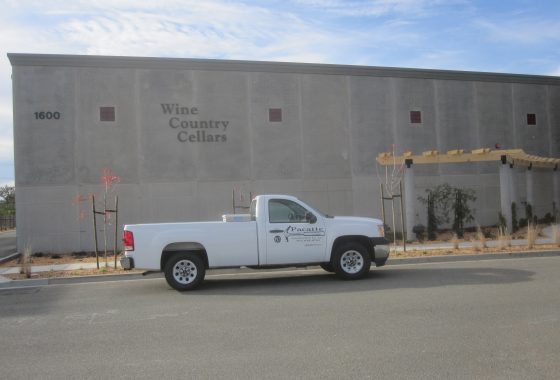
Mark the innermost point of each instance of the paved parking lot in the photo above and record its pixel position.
(490, 319)
(7, 243)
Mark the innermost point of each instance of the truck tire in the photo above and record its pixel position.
(351, 261)
(184, 271)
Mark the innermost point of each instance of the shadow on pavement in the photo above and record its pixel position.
(378, 279)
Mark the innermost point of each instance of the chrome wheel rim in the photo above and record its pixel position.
(184, 272)
(351, 262)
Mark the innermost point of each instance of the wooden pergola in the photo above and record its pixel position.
(508, 158)
(515, 157)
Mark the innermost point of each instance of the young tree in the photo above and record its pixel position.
(8, 193)
(8, 200)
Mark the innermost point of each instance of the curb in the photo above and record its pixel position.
(471, 257)
(391, 262)
(10, 257)
(71, 280)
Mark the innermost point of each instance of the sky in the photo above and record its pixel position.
(510, 36)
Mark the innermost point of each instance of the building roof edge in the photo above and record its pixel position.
(62, 60)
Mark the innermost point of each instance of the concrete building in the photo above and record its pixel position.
(181, 134)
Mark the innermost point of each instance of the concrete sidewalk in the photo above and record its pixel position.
(48, 268)
(53, 267)
(466, 244)
(547, 232)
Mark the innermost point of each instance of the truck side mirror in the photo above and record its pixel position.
(310, 218)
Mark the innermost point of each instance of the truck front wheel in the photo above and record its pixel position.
(351, 261)
(184, 271)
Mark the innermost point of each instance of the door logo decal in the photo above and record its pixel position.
(277, 239)
(303, 234)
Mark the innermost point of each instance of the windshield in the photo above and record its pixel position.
(318, 211)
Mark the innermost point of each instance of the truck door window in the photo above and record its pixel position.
(285, 211)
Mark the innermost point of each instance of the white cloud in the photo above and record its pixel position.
(6, 132)
(5, 110)
(521, 30)
(237, 32)
(442, 59)
(209, 29)
(376, 8)
(6, 149)
(555, 72)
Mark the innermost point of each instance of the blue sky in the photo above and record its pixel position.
(513, 36)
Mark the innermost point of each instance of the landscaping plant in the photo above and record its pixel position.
(432, 219)
(514, 222)
(25, 261)
(556, 234)
(480, 237)
(444, 199)
(531, 235)
(455, 241)
(504, 239)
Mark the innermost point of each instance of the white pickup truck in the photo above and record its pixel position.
(280, 231)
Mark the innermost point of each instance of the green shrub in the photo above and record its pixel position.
(514, 222)
(444, 199)
(502, 221)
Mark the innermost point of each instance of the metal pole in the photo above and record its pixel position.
(382, 204)
(95, 229)
(393, 214)
(105, 226)
(402, 218)
(116, 227)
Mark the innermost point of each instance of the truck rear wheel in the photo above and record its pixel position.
(184, 271)
(351, 261)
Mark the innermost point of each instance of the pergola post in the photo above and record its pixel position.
(513, 186)
(505, 191)
(409, 197)
(556, 188)
(530, 188)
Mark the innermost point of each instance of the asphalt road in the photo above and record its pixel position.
(486, 320)
(7, 243)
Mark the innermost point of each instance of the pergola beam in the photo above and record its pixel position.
(513, 156)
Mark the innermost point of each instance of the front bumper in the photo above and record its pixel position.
(380, 255)
(127, 262)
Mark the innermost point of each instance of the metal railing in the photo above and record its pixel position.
(7, 222)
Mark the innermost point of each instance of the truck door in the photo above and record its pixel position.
(293, 234)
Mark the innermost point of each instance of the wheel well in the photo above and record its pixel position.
(363, 240)
(167, 254)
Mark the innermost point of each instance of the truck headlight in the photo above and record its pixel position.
(381, 230)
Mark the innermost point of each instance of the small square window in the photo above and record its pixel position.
(531, 119)
(275, 115)
(107, 113)
(416, 117)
